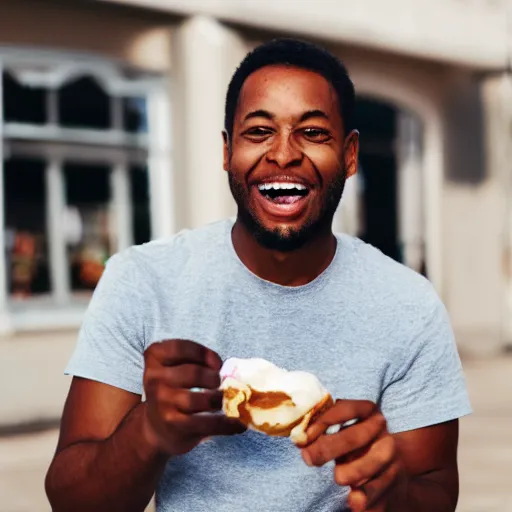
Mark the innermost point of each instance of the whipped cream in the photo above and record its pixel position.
(274, 399)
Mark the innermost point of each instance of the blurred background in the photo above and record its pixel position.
(110, 126)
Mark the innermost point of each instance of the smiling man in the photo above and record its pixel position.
(275, 283)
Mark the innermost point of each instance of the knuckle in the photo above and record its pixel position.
(151, 381)
(341, 477)
(171, 349)
(197, 374)
(369, 406)
(188, 402)
(320, 456)
(168, 416)
(160, 394)
(384, 450)
(357, 438)
(380, 421)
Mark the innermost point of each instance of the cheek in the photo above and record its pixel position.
(325, 159)
(245, 156)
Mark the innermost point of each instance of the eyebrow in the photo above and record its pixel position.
(259, 113)
(313, 113)
(310, 114)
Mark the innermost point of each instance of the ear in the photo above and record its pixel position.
(225, 139)
(351, 153)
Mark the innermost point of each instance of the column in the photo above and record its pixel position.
(409, 183)
(346, 220)
(5, 324)
(206, 54)
(481, 239)
(59, 267)
(161, 164)
(121, 207)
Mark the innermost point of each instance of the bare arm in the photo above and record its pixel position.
(106, 458)
(414, 471)
(429, 457)
(113, 448)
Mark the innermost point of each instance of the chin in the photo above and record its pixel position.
(282, 238)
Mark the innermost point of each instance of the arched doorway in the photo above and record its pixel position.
(388, 189)
(377, 122)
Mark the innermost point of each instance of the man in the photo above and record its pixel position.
(276, 283)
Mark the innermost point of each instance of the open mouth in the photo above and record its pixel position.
(283, 193)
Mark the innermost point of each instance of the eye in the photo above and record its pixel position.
(258, 133)
(316, 134)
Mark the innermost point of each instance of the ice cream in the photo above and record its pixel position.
(270, 399)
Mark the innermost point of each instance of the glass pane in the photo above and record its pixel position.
(25, 225)
(88, 198)
(139, 185)
(84, 104)
(23, 104)
(135, 115)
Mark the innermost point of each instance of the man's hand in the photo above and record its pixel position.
(365, 455)
(178, 418)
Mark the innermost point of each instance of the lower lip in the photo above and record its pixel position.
(285, 211)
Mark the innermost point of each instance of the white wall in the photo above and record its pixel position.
(142, 41)
(467, 32)
(205, 55)
(475, 235)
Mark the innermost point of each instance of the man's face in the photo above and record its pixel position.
(288, 158)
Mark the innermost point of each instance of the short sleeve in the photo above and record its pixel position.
(429, 388)
(110, 345)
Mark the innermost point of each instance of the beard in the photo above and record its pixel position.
(287, 239)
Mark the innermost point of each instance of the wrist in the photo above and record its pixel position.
(151, 440)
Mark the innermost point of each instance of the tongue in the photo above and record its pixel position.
(286, 199)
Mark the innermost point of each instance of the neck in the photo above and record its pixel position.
(294, 268)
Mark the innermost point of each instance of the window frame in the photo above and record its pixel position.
(114, 147)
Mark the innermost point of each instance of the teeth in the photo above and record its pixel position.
(281, 186)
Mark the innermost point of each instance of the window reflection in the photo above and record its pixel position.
(89, 223)
(88, 196)
(84, 104)
(23, 104)
(135, 115)
(25, 226)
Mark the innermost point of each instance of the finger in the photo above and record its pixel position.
(206, 425)
(341, 412)
(190, 402)
(356, 473)
(177, 352)
(368, 497)
(351, 439)
(186, 376)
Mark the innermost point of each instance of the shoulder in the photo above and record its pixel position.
(170, 256)
(390, 288)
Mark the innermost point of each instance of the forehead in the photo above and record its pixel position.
(287, 89)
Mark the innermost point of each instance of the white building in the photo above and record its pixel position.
(111, 126)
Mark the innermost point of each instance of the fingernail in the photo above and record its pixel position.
(307, 458)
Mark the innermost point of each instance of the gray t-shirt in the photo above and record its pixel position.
(368, 327)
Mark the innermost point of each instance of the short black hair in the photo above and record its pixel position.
(300, 54)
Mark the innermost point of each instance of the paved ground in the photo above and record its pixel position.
(485, 451)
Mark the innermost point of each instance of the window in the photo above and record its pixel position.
(25, 227)
(23, 104)
(75, 173)
(84, 104)
(88, 199)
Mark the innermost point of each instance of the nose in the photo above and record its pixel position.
(285, 152)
